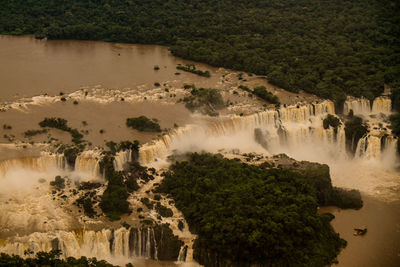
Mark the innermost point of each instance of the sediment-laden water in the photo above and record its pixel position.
(32, 218)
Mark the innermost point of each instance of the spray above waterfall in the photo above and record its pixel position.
(298, 131)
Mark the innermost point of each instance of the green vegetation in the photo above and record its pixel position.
(395, 120)
(114, 199)
(331, 49)
(181, 226)
(245, 215)
(262, 93)
(50, 259)
(192, 69)
(61, 124)
(30, 133)
(354, 129)
(147, 203)
(168, 245)
(88, 185)
(245, 88)
(58, 183)
(57, 123)
(205, 100)
(317, 175)
(70, 154)
(122, 146)
(163, 211)
(86, 203)
(331, 121)
(143, 124)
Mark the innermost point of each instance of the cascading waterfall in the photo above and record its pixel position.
(121, 159)
(43, 163)
(88, 162)
(159, 148)
(362, 106)
(282, 129)
(382, 105)
(298, 122)
(104, 244)
(358, 105)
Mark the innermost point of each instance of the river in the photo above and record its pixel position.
(30, 67)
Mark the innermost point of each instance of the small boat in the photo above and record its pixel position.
(360, 231)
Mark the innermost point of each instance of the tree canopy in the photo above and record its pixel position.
(329, 48)
(245, 214)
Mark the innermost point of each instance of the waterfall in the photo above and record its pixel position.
(298, 121)
(362, 106)
(358, 105)
(88, 162)
(43, 163)
(294, 128)
(104, 244)
(159, 148)
(121, 159)
(382, 105)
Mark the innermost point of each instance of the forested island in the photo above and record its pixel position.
(248, 215)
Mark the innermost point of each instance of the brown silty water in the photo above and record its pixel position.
(110, 72)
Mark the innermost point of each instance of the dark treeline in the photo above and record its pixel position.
(51, 258)
(330, 48)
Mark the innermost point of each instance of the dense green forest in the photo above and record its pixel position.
(245, 214)
(330, 48)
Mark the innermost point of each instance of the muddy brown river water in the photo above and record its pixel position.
(30, 67)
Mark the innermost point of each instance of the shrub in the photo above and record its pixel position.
(164, 211)
(57, 123)
(331, 121)
(143, 124)
(30, 133)
(147, 203)
(205, 100)
(262, 93)
(192, 69)
(58, 183)
(70, 155)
